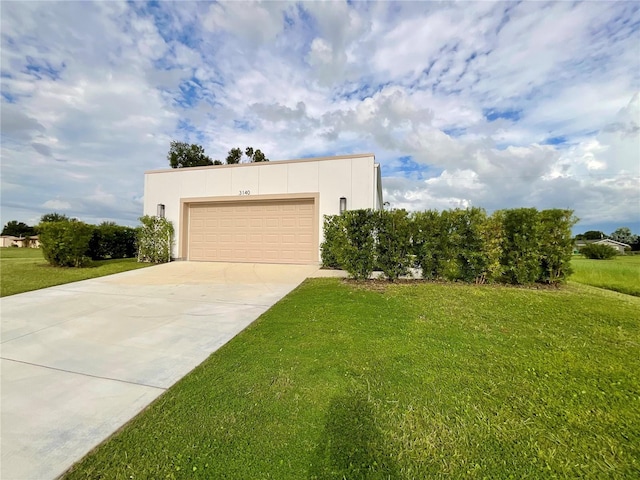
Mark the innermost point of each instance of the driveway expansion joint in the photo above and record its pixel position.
(83, 374)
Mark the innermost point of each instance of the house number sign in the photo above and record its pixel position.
(245, 192)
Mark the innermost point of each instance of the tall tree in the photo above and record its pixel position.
(624, 235)
(258, 156)
(234, 156)
(53, 217)
(593, 235)
(183, 155)
(18, 229)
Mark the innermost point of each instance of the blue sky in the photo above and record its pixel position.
(496, 105)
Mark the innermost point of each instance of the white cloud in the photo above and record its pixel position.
(487, 104)
(253, 22)
(56, 205)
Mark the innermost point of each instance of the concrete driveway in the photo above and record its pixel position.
(80, 360)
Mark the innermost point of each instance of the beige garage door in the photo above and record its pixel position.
(273, 231)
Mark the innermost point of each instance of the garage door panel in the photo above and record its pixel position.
(289, 222)
(275, 231)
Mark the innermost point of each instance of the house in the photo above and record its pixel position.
(11, 241)
(619, 246)
(612, 243)
(268, 212)
(7, 240)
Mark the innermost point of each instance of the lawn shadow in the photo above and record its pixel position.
(351, 445)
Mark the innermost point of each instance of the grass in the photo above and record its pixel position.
(403, 381)
(24, 269)
(620, 274)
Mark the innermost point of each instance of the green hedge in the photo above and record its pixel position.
(556, 246)
(329, 248)
(65, 243)
(517, 246)
(355, 243)
(393, 247)
(597, 251)
(112, 241)
(72, 243)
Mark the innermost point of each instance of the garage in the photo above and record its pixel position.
(263, 212)
(257, 231)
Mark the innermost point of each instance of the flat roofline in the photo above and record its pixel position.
(272, 162)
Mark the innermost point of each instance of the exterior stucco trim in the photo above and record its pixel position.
(264, 164)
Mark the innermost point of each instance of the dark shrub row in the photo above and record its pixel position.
(112, 241)
(517, 246)
(72, 243)
(597, 251)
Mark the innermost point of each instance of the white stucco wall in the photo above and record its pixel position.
(355, 177)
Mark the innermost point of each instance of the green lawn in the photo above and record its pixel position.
(406, 381)
(24, 269)
(620, 274)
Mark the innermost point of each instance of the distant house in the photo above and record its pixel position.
(619, 246)
(11, 241)
(612, 243)
(7, 240)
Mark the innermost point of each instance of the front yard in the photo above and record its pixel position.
(415, 381)
(25, 269)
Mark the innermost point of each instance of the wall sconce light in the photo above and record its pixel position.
(343, 204)
(160, 210)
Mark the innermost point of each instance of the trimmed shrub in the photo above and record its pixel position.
(330, 245)
(429, 243)
(112, 241)
(393, 246)
(356, 243)
(520, 246)
(492, 233)
(596, 251)
(155, 238)
(469, 259)
(65, 243)
(556, 245)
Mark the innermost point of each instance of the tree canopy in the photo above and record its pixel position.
(624, 235)
(258, 156)
(234, 156)
(53, 217)
(183, 155)
(591, 235)
(18, 229)
(253, 155)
